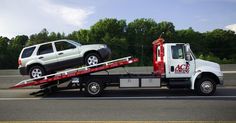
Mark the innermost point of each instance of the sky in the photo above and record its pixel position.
(26, 17)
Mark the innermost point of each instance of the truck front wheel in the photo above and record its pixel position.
(94, 88)
(205, 87)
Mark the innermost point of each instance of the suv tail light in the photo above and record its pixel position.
(19, 62)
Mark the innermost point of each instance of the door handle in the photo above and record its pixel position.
(41, 57)
(60, 53)
(172, 68)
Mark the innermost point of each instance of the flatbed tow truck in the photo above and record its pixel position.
(174, 66)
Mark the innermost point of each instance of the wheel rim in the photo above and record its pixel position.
(92, 60)
(36, 72)
(93, 88)
(207, 87)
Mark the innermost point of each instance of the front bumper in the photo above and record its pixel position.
(105, 53)
(221, 80)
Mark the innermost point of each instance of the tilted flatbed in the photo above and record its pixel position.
(67, 74)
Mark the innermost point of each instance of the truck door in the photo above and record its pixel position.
(179, 67)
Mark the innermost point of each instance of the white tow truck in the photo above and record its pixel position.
(174, 66)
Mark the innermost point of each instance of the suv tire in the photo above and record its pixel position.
(36, 71)
(92, 59)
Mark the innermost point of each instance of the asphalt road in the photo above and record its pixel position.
(10, 77)
(118, 110)
(120, 105)
(117, 104)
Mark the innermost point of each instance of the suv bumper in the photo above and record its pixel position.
(221, 80)
(105, 53)
(23, 70)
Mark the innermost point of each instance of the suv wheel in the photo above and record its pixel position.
(36, 72)
(92, 59)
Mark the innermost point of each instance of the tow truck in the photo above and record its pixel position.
(174, 66)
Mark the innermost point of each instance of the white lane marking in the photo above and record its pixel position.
(2, 99)
(12, 76)
(104, 98)
(229, 71)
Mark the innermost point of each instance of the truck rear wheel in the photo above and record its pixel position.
(94, 88)
(205, 87)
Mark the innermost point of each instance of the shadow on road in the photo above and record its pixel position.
(126, 93)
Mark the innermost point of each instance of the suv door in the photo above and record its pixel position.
(67, 54)
(47, 56)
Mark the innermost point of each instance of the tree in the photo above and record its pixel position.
(111, 32)
(82, 36)
(14, 48)
(195, 39)
(140, 35)
(168, 29)
(105, 29)
(4, 52)
(53, 36)
(41, 37)
(221, 43)
(134, 38)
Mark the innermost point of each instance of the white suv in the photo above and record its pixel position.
(46, 58)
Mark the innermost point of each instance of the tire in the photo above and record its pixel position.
(36, 72)
(205, 87)
(92, 59)
(94, 89)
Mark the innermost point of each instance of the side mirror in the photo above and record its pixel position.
(188, 54)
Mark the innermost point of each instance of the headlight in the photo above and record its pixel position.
(103, 46)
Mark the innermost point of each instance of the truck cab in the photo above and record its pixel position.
(177, 65)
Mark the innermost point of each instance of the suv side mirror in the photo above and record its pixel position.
(187, 51)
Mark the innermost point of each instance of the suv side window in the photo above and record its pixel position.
(27, 52)
(45, 49)
(63, 45)
(177, 52)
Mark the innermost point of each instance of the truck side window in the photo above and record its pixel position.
(63, 45)
(45, 49)
(177, 52)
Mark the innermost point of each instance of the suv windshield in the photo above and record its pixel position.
(74, 42)
(27, 52)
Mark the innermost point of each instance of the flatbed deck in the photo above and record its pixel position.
(67, 74)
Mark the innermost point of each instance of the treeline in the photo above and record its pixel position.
(134, 38)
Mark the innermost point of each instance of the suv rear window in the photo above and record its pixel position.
(45, 49)
(27, 52)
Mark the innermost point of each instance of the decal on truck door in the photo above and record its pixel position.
(182, 69)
